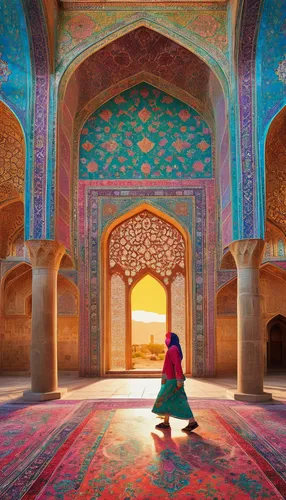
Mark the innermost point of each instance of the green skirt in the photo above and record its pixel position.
(172, 402)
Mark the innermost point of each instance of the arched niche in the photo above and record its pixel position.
(12, 174)
(80, 94)
(66, 262)
(276, 343)
(127, 257)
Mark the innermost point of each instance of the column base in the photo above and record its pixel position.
(249, 398)
(43, 396)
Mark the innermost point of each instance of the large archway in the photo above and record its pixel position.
(143, 241)
(110, 175)
(119, 65)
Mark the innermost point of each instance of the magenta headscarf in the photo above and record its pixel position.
(173, 339)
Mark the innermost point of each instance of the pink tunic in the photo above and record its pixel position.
(172, 366)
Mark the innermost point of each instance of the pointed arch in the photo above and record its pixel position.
(14, 273)
(69, 107)
(276, 342)
(214, 60)
(16, 286)
(105, 274)
(277, 317)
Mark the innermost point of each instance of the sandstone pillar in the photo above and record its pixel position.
(45, 258)
(250, 337)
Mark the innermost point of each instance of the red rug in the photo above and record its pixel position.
(110, 449)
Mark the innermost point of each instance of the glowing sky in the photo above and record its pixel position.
(148, 296)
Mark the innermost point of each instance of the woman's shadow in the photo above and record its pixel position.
(177, 458)
(170, 469)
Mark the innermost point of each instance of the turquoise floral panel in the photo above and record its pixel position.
(14, 54)
(271, 61)
(145, 133)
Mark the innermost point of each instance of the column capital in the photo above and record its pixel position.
(247, 253)
(45, 253)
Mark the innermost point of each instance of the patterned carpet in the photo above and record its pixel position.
(107, 449)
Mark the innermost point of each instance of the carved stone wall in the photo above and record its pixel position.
(67, 324)
(178, 308)
(67, 297)
(226, 345)
(11, 220)
(68, 343)
(118, 324)
(17, 288)
(17, 245)
(226, 328)
(12, 155)
(227, 300)
(15, 351)
(16, 331)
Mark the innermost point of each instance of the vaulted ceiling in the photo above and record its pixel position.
(142, 50)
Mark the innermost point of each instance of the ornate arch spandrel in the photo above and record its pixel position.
(215, 60)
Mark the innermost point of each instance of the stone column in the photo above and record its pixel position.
(250, 337)
(45, 258)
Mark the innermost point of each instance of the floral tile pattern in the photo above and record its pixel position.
(143, 133)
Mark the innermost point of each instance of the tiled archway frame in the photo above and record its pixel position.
(206, 51)
(213, 57)
(193, 205)
(36, 223)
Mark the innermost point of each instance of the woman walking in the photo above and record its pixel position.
(172, 400)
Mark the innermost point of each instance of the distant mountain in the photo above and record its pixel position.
(141, 332)
(148, 317)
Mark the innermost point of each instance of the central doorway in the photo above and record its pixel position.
(149, 323)
(146, 278)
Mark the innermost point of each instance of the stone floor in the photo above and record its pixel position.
(11, 388)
